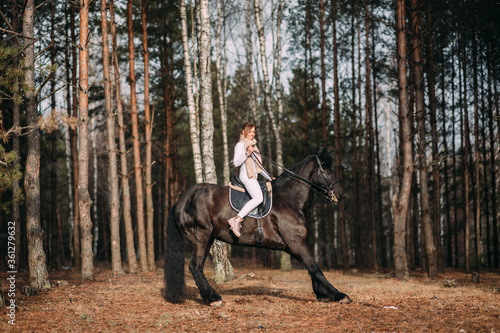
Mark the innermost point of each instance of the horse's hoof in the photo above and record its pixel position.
(216, 303)
(345, 300)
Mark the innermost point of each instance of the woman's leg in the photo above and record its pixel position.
(253, 188)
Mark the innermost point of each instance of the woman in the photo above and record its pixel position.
(247, 157)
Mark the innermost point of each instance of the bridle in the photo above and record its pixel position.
(327, 191)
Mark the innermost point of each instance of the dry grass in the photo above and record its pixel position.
(268, 300)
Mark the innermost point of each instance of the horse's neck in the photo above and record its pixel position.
(298, 190)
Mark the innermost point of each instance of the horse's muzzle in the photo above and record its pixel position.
(331, 196)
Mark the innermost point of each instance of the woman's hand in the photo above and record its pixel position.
(250, 150)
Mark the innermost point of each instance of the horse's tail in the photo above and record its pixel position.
(175, 286)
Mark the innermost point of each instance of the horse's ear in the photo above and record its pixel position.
(322, 152)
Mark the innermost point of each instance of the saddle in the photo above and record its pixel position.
(238, 197)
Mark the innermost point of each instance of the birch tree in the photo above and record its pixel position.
(221, 92)
(285, 257)
(223, 269)
(39, 278)
(193, 126)
(116, 261)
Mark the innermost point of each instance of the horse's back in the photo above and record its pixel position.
(200, 196)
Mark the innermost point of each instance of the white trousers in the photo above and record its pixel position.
(253, 188)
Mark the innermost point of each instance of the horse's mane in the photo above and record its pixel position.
(286, 179)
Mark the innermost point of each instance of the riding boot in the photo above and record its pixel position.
(235, 223)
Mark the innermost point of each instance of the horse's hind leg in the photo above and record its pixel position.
(323, 289)
(200, 253)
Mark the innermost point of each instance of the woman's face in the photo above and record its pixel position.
(251, 134)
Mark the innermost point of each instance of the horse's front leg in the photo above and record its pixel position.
(200, 253)
(323, 289)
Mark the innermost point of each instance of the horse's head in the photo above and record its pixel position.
(325, 178)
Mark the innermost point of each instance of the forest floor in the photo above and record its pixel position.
(259, 300)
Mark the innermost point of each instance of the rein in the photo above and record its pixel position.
(325, 191)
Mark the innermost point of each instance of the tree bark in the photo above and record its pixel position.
(74, 145)
(477, 223)
(431, 77)
(83, 154)
(143, 254)
(148, 129)
(193, 118)
(427, 223)
(465, 156)
(67, 143)
(249, 57)
(16, 147)
(223, 271)
(285, 259)
(369, 142)
(337, 127)
(55, 251)
(401, 199)
(129, 232)
(354, 142)
(39, 278)
(494, 106)
(221, 92)
(116, 261)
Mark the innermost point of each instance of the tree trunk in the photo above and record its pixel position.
(454, 160)
(369, 143)
(193, 118)
(431, 77)
(16, 188)
(221, 93)
(83, 154)
(337, 127)
(148, 129)
(39, 278)
(136, 144)
(446, 194)
(465, 157)
(16, 147)
(116, 261)
(427, 225)
(67, 143)
(401, 199)
(129, 232)
(55, 254)
(494, 106)
(223, 269)
(285, 259)
(477, 229)
(354, 142)
(249, 57)
(95, 180)
(74, 146)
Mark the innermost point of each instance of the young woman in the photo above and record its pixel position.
(247, 157)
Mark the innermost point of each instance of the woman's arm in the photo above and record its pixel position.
(240, 155)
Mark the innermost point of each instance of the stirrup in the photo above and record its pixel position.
(235, 225)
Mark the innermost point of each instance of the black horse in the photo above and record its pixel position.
(201, 215)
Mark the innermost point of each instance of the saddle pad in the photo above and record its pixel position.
(238, 199)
